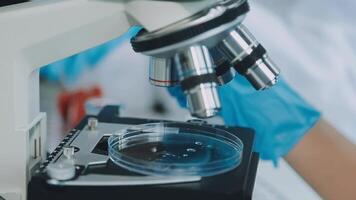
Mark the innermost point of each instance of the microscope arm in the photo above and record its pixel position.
(37, 33)
(32, 35)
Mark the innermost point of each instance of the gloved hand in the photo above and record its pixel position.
(279, 115)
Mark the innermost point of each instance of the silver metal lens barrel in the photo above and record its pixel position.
(163, 72)
(249, 58)
(223, 68)
(198, 80)
(193, 61)
(203, 100)
(238, 44)
(262, 75)
(272, 67)
(226, 77)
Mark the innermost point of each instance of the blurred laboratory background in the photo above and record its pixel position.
(313, 42)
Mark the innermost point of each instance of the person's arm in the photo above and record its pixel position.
(327, 161)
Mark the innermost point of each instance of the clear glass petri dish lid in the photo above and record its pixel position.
(175, 149)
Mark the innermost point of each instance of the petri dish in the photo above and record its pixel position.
(175, 149)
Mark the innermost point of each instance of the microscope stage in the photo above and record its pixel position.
(96, 176)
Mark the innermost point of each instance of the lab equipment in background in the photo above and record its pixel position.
(93, 106)
(97, 176)
(72, 105)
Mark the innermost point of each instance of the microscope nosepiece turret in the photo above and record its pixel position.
(203, 52)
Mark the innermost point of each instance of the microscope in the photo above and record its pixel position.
(197, 44)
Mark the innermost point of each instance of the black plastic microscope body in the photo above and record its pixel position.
(237, 184)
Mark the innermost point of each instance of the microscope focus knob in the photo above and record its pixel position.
(68, 152)
(93, 123)
(61, 171)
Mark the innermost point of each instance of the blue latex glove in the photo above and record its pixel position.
(70, 68)
(279, 115)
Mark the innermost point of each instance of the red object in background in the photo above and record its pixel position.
(71, 105)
